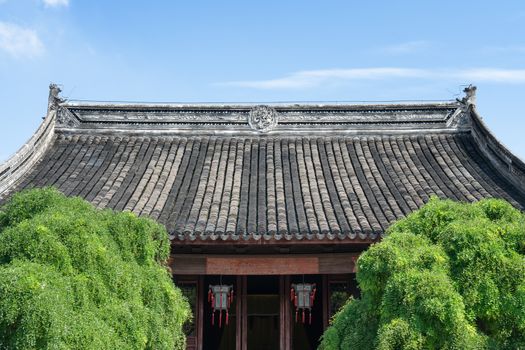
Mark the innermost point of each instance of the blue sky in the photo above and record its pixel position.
(260, 51)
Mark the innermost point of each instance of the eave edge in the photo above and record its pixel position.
(16, 167)
(506, 163)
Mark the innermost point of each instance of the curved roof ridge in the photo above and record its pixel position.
(507, 163)
(20, 163)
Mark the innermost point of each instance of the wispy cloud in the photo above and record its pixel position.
(315, 78)
(312, 78)
(19, 41)
(494, 75)
(406, 48)
(56, 3)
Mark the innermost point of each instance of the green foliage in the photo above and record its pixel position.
(449, 276)
(73, 277)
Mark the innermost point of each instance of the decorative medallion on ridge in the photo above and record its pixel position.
(263, 118)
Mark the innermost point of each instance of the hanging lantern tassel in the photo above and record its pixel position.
(213, 318)
(303, 316)
(296, 314)
(220, 312)
(231, 296)
(227, 317)
(310, 317)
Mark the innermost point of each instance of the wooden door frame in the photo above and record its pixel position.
(284, 313)
(285, 309)
(199, 306)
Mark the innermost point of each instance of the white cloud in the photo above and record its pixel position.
(56, 3)
(19, 41)
(494, 75)
(311, 78)
(49, 3)
(315, 78)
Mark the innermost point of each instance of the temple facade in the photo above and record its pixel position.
(267, 206)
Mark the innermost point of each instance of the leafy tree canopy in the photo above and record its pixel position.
(449, 276)
(74, 277)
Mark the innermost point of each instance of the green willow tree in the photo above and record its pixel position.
(74, 277)
(449, 276)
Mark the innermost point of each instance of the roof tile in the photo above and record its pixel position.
(293, 187)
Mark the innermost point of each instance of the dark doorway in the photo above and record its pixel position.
(305, 336)
(215, 337)
(263, 302)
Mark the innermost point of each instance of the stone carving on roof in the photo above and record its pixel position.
(54, 97)
(258, 118)
(263, 118)
(237, 115)
(470, 96)
(461, 117)
(159, 115)
(65, 118)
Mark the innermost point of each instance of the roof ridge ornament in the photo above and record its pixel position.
(470, 96)
(263, 118)
(461, 119)
(54, 100)
(64, 117)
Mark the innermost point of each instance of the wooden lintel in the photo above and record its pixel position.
(262, 266)
(184, 264)
(188, 265)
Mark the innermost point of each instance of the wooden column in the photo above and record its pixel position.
(238, 311)
(282, 318)
(284, 314)
(326, 300)
(200, 312)
(243, 331)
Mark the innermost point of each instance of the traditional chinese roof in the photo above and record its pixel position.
(269, 173)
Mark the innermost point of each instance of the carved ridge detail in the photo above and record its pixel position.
(66, 118)
(263, 118)
(306, 116)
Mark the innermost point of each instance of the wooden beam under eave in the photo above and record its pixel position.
(188, 264)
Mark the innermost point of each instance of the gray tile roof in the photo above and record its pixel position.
(281, 173)
(270, 187)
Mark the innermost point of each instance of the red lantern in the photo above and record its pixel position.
(303, 296)
(220, 298)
